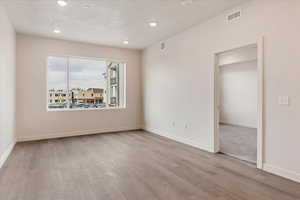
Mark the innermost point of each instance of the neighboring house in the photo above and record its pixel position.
(76, 96)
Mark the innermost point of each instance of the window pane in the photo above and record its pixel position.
(82, 83)
(57, 83)
(87, 83)
(114, 84)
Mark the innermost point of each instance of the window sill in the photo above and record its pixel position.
(86, 109)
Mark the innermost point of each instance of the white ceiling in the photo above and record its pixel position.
(109, 22)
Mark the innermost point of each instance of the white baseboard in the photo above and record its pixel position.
(74, 133)
(179, 139)
(5, 154)
(282, 172)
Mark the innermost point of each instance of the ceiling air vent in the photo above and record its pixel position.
(234, 16)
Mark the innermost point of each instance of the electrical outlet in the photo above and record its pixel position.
(283, 100)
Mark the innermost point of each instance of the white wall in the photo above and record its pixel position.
(33, 120)
(179, 82)
(7, 86)
(238, 94)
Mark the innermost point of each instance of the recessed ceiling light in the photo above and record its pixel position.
(56, 30)
(153, 24)
(62, 3)
(125, 42)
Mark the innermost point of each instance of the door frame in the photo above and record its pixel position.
(260, 99)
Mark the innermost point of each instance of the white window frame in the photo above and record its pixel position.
(121, 107)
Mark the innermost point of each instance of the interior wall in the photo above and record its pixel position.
(179, 81)
(7, 86)
(238, 94)
(33, 120)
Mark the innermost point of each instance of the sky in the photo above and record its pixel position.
(84, 73)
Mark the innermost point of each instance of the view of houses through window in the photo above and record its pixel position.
(84, 83)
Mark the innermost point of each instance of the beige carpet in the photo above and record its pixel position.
(239, 142)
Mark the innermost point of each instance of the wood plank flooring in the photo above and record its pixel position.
(132, 166)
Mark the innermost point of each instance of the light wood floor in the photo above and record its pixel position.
(132, 166)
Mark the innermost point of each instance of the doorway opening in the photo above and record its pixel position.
(238, 103)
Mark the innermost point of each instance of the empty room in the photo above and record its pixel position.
(237, 92)
(149, 99)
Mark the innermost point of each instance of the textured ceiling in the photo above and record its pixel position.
(109, 22)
